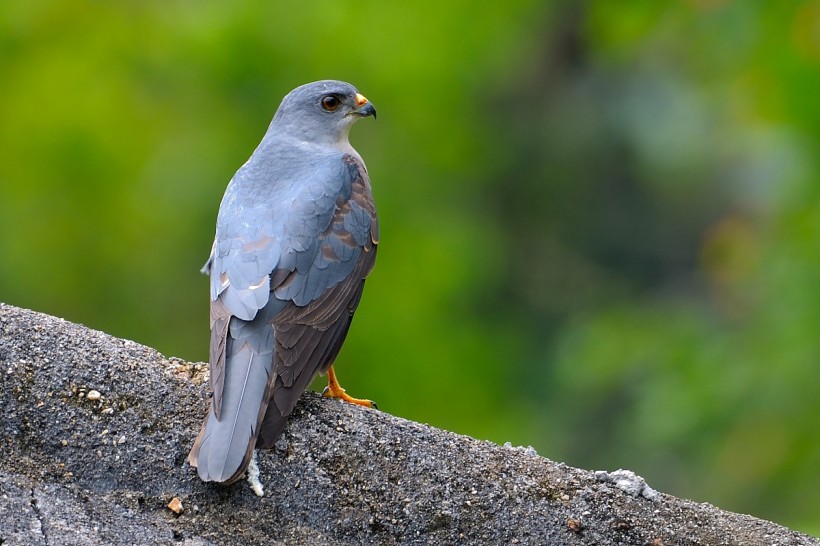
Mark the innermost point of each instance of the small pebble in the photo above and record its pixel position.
(175, 506)
(93, 395)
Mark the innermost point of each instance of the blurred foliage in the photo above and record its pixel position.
(600, 220)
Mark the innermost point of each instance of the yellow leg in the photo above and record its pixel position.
(334, 390)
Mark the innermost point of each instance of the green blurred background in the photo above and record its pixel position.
(600, 220)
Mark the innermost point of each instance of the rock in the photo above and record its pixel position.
(175, 506)
(93, 395)
(341, 474)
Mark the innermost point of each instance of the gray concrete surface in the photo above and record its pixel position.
(101, 469)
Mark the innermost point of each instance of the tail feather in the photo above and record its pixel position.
(225, 444)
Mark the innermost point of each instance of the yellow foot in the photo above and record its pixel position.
(334, 390)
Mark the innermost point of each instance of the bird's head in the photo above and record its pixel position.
(321, 112)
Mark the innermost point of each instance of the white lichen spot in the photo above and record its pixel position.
(629, 482)
(529, 450)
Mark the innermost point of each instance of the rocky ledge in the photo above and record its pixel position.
(95, 431)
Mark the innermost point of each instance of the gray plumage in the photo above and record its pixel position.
(296, 236)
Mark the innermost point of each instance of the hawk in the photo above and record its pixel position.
(296, 237)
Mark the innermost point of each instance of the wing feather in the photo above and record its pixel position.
(310, 332)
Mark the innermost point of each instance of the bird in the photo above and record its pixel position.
(296, 237)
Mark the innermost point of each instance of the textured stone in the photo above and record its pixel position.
(80, 471)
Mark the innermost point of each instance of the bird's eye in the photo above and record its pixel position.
(330, 103)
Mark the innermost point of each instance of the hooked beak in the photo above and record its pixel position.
(363, 107)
